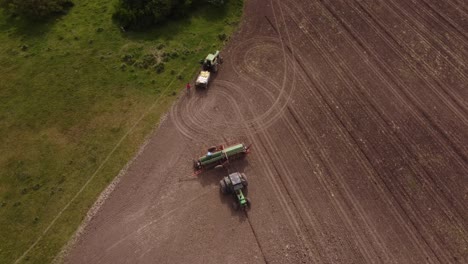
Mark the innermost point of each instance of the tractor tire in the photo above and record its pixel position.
(244, 181)
(249, 203)
(235, 206)
(222, 187)
(228, 185)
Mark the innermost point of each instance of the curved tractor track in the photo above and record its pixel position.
(358, 116)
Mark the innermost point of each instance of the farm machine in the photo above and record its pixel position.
(209, 66)
(234, 184)
(220, 155)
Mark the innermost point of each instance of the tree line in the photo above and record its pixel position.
(143, 13)
(129, 13)
(35, 8)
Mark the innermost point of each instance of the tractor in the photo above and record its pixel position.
(219, 156)
(209, 66)
(234, 184)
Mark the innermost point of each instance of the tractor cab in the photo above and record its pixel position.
(211, 62)
(236, 182)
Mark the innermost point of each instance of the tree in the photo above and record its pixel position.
(35, 8)
(216, 2)
(143, 13)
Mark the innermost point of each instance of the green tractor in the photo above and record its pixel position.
(234, 184)
(211, 62)
(209, 66)
(219, 156)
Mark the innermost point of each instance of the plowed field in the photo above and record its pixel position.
(358, 116)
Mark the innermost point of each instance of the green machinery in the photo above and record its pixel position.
(220, 155)
(234, 184)
(209, 66)
(211, 62)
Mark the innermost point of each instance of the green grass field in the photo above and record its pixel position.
(70, 90)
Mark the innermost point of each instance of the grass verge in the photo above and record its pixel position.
(71, 89)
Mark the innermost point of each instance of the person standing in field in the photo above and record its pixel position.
(188, 87)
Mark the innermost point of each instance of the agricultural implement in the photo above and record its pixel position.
(209, 66)
(220, 155)
(203, 79)
(234, 183)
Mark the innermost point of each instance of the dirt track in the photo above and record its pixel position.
(358, 115)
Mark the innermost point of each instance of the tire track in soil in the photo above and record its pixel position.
(399, 83)
(284, 175)
(307, 245)
(347, 134)
(459, 5)
(256, 238)
(277, 185)
(453, 102)
(424, 32)
(443, 17)
(462, 164)
(412, 58)
(431, 22)
(275, 161)
(359, 97)
(190, 115)
(141, 231)
(461, 12)
(335, 173)
(287, 173)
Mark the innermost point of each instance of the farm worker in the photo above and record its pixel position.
(188, 87)
(209, 154)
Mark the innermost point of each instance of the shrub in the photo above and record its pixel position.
(128, 58)
(142, 13)
(222, 36)
(148, 60)
(159, 67)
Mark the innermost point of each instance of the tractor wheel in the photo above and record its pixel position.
(227, 185)
(244, 180)
(249, 203)
(222, 186)
(235, 206)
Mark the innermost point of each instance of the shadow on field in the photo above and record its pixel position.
(28, 28)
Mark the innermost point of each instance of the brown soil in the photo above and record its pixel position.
(358, 115)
